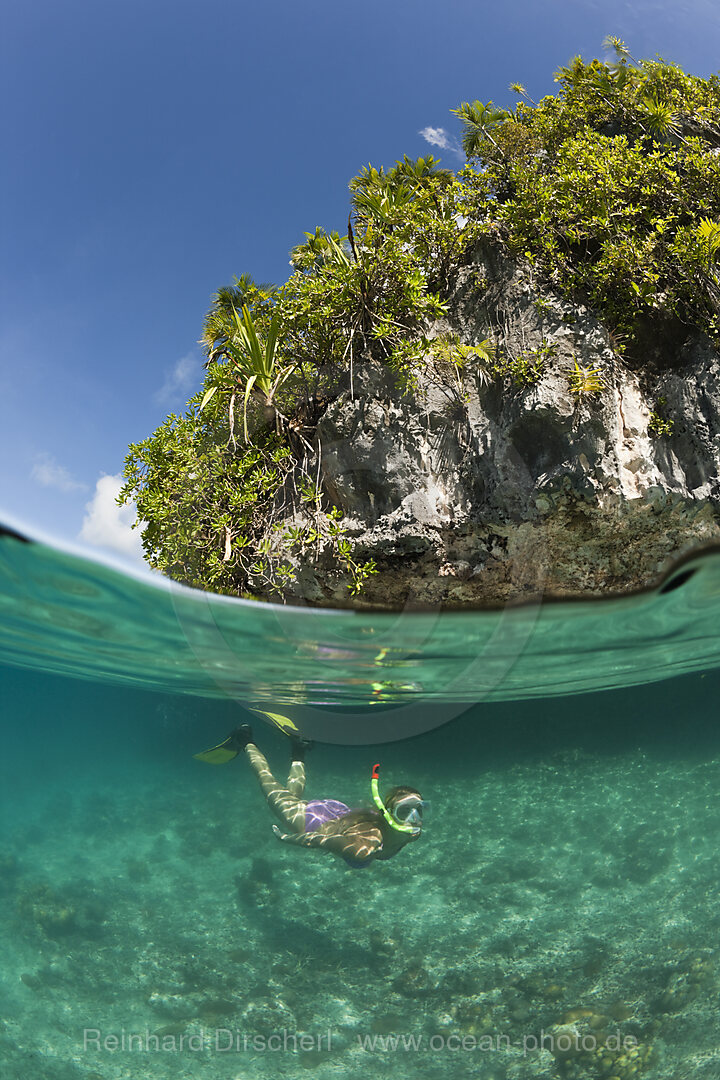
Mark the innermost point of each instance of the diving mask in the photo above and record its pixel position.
(407, 813)
(410, 811)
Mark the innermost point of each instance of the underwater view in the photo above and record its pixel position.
(558, 916)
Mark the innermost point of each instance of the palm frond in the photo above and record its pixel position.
(478, 120)
(418, 170)
(620, 48)
(383, 206)
(708, 232)
(219, 321)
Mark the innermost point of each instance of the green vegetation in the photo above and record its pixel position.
(611, 190)
(585, 380)
(215, 499)
(660, 425)
(527, 368)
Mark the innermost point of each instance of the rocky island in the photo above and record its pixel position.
(500, 384)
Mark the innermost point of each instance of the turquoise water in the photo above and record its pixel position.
(558, 918)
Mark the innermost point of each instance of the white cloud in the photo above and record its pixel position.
(441, 138)
(181, 381)
(435, 136)
(108, 525)
(48, 473)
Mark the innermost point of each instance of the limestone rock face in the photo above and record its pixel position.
(473, 491)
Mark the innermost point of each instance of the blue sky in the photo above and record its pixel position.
(155, 149)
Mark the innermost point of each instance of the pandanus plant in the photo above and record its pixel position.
(259, 371)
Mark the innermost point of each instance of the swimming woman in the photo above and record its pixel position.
(357, 836)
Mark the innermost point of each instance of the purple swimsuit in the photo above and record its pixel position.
(319, 811)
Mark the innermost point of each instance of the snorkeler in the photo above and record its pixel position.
(357, 836)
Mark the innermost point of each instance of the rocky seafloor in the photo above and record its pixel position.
(567, 886)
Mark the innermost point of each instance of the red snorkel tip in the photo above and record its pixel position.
(376, 771)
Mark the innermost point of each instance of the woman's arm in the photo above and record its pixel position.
(360, 841)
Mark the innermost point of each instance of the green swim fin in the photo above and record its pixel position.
(229, 748)
(218, 755)
(284, 723)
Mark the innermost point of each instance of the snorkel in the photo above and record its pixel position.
(383, 808)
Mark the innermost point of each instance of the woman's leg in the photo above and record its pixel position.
(296, 779)
(285, 802)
